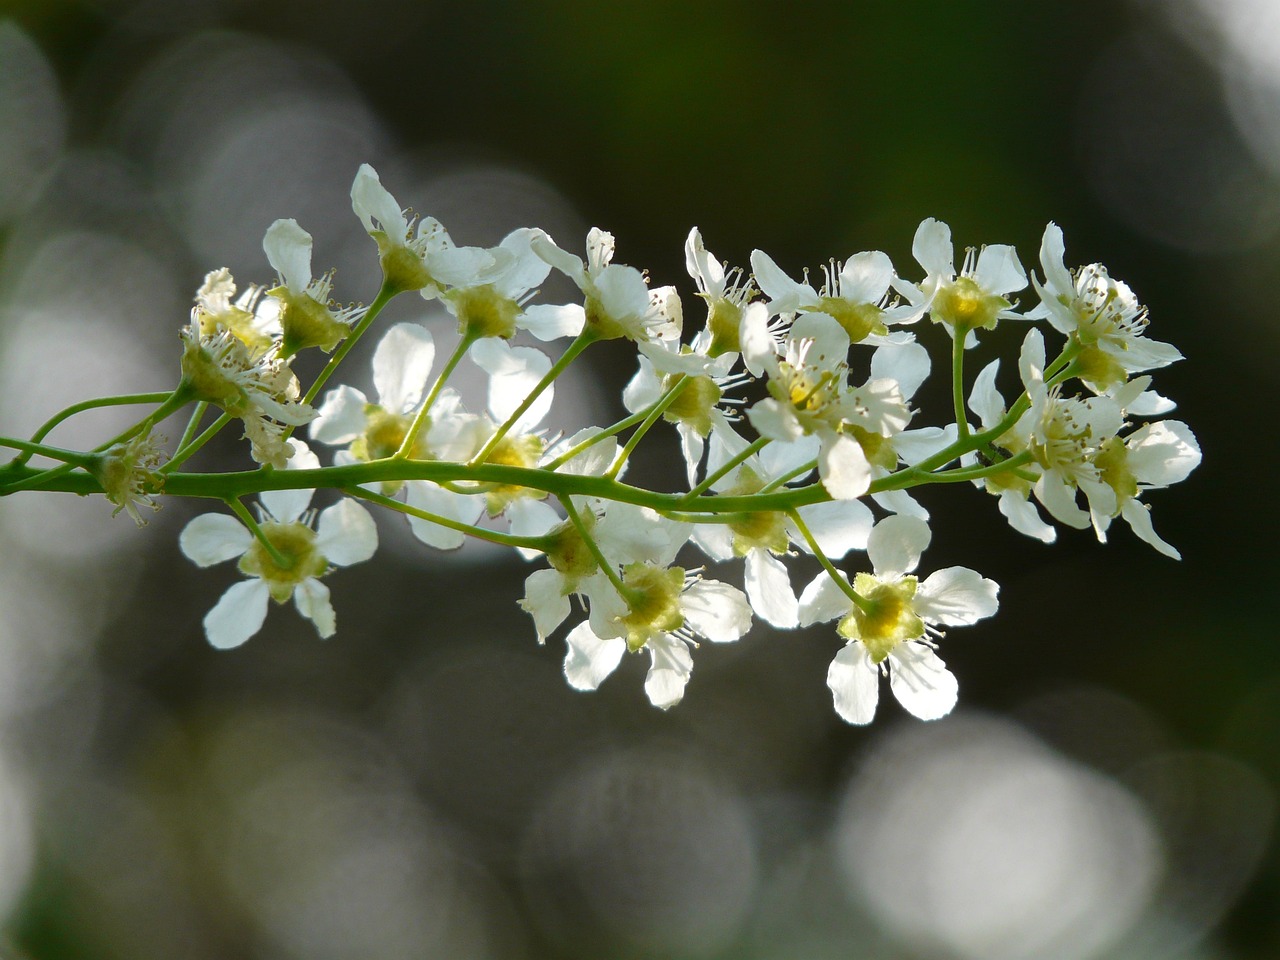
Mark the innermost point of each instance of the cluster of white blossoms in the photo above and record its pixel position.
(792, 407)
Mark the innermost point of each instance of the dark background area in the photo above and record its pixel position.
(425, 784)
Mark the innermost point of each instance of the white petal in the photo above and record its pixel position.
(592, 461)
(288, 250)
(777, 459)
(288, 505)
(899, 501)
(1162, 453)
(838, 525)
(546, 601)
(551, 321)
(311, 597)
(341, 417)
(623, 293)
(715, 540)
(785, 295)
(643, 389)
(933, 249)
(775, 421)
(214, 538)
(1031, 359)
(855, 684)
(589, 660)
(238, 615)
(1053, 253)
(823, 600)
(1060, 500)
(513, 373)
(956, 596)
(629, 533)
(531, 518)
(758, 345)
(1024, 517)
(716, 610)
(921, 681)
(562, 260)
(866, 277)
(845, 470)
(427, 496)
(371, 201)
(769, 590)
(346, 533)
(526, 269)
(896, 543)
(908, 364)
(691, 447)
(401, 366)
(985, 399)
(1138, 516)
(998, 269)
(669, 671)
(916, 445)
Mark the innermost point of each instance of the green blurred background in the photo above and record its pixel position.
(425, 784)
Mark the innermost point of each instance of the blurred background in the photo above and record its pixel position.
(425, 784)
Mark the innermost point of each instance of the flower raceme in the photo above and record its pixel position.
(792, 406)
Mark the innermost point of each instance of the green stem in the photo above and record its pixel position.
(471, 530)
(40, 478)
(61, 415)
(185, 452)
(29, 448)
(605, 565)
(985, 470)
(182, 395)
(241, 511)
(827, 565)
(658, 410)
(786, 478)
(584, 340)
(192, 425)
(957, 380)
(420, 421)
(384, 297)
(595, 438)
(751, 450)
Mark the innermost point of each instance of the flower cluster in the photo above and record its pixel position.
(792, 403)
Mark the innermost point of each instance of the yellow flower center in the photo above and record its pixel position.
(859, 320)
(483, 312)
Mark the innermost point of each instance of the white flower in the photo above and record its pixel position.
(618, 301)
(809, 395)
(726, 294)
(344, 535)
(854, 293)
(218, 308)
(1152, 457)
(976, 297)
(129, 474)
(762, 538)
(306, 317)
(624, 533)
(664, 612)
(415, 255)
(490, 301)
(1102, 314)
(894, 629)
(257, 388)
(703, 381)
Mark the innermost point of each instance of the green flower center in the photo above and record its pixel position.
(694, 403)
(306, 322)
(962, 303)
(859, 320)
(483, 312)
(653, 594)
(295, 542)
(724, 321)
(888, 618)
(513, 451)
